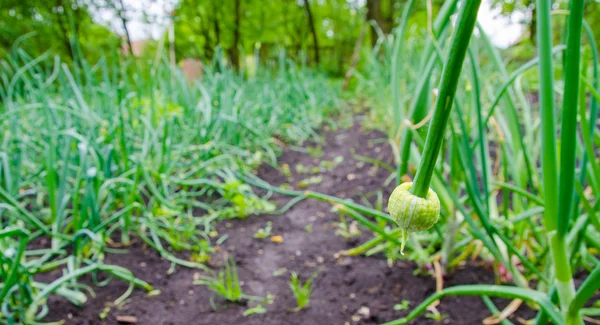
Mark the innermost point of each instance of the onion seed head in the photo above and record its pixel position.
(413, 213)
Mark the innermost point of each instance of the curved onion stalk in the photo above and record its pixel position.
(116, 271)
(255, 181)
(352, 209)
(443, 105)
(507, 292)
(418, 107)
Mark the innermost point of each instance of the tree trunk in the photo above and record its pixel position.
(121, 14)
(208, 49)
(216, 26)
(389, 18)
(235, 51)
(313, 31)
(374, 14)
(532, 26)
(65, 31)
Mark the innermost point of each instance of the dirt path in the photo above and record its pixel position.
(343, 287)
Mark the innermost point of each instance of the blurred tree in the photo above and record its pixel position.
(320, 32)
(527, 7)
(121, 12)
(307, 26)
(311, 24)
(379, 19)
(64, 27)
(234, 51)
(509, 7)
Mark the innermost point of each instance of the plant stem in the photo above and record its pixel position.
(418, 107)
(562, 269)
(396, 60)
(552, 218)
(546, 98)
(506, 292)
(443, 104)
(568, 138)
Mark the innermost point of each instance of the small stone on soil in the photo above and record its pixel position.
(373, 289)
(127, 319)
(365, 311)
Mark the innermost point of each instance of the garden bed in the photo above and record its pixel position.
(348, 290)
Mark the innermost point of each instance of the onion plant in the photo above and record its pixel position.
(510, 194)
(96, 154)
(557, 183)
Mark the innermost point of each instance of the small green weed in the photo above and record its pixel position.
(316, 151)
(226, 283)
(347, 230)
(436, 316)
(301, 291)
(265, 232)
(404, 305)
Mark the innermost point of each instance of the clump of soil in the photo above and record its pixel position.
(348, 290)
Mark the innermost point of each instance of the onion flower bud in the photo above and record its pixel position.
(413, 213)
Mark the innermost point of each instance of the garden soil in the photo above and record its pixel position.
(347, 290)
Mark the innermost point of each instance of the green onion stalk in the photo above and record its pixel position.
(414, 205)
(419, 106)
(558, 188)
(396, 60)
